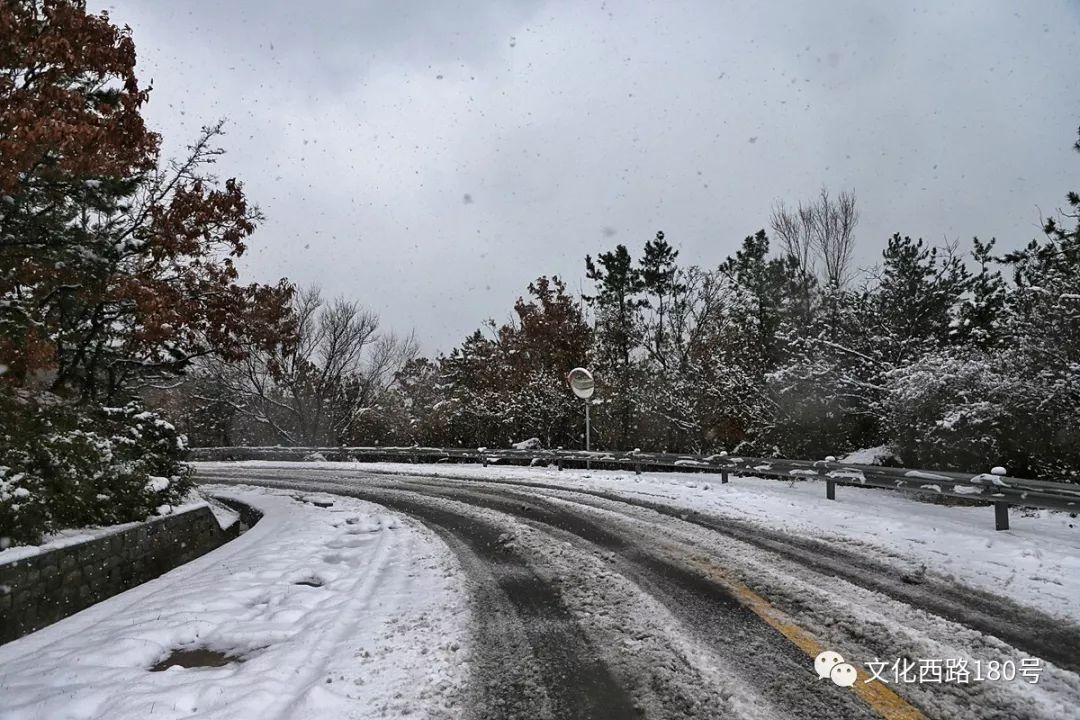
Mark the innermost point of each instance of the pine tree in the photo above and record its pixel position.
(616, 306)
(617, 302)
(663, 291)
(761, 285)
(917, 299)
(982, 313)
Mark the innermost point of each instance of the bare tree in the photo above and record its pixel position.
(312, 392)
(821, 231)
(835, 240)
(795, 231)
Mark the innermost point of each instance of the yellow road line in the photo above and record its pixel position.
(877, 695)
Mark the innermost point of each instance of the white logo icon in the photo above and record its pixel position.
(826, 661)
(831, 665)
(844, 674)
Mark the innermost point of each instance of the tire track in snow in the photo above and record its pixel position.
(576, 684)
(336, 632)
(755, 651)
(776, 675)
(901, 629)
(628, 524)
(1028, 629)
(1024, 628)
(535, 660)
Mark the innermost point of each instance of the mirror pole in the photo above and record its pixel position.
(588, 462)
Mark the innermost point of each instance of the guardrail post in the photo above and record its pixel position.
(1001, 510)
(723, 471)
(558, 459)
(830, 484)
(1001, 516)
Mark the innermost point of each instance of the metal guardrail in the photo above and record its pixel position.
(1000, 490)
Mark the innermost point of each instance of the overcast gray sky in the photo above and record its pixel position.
(430, 158)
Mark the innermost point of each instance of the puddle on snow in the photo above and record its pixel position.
(196, 658)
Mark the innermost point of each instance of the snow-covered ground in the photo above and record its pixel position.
(1036, 562)
(309, 602)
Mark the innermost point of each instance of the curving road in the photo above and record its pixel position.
(593, 605)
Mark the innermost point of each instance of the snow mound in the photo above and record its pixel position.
(323, 501)
(870, 456)
(371, 524)
(530, 444)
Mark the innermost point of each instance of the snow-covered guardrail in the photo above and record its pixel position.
(999, 489)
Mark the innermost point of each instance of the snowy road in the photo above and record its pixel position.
(591, 602)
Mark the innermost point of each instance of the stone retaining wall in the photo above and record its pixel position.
(39, 590)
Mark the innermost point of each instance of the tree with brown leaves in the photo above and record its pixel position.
(114, 265)
(115, 268)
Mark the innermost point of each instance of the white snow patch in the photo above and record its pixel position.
(869, 456)
(849, 474)
(226, 517)
(966, 490)
(920, 475)
(157, 484)
(991, 479)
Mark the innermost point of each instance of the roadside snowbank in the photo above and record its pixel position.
(1036, 563)
(309, 602)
